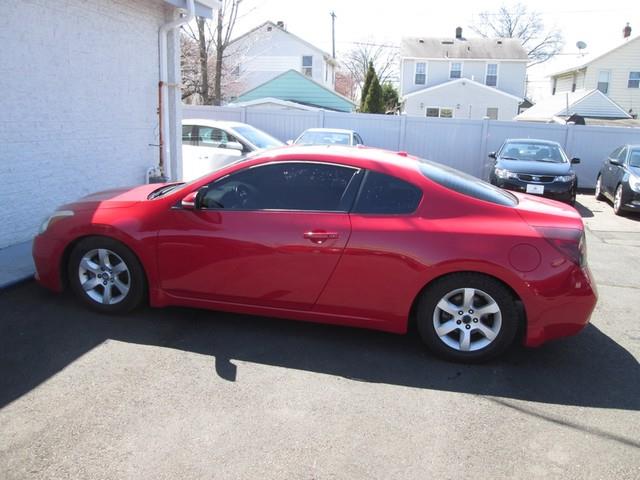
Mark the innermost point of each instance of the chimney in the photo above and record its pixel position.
(280, 24)
(626, 31)
(459, 33)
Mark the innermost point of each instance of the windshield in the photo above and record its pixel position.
(257, 137)
(634, 158)
(466, 184)
(533, 151)
(324, 138)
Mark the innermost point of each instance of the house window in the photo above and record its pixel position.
(491, 78)
(236, 71)
(603, 81)
(456, 70)
(421, 73)
(492, 113)
(307, 65)
(442, 112)
(634, 80)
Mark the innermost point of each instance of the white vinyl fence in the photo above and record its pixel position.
(460, 143)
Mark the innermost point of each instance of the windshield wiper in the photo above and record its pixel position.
(509, 158)
(163, 190)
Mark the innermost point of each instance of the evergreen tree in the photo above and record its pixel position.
(374, 103)
(367, 84)
(390, 97)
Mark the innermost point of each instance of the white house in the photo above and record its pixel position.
(462, 78)
(270, 50)
(559, 108)
(80, 97)
(616, 73)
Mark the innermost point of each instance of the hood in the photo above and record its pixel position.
(115, 198)
(635, 171)
(534, 167)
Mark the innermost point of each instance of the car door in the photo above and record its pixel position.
(615, 171)
(267, 236)
(212, 148)
(377, 275)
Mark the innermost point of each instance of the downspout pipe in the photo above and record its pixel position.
(163, 108)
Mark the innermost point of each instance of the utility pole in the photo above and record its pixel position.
(333, 33)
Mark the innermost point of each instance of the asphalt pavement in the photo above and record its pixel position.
(189, 394)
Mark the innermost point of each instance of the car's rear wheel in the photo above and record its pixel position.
(467, 317)
(106, 275)
(598, 194)
(617, 201)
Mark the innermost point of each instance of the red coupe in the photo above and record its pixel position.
(349, 236)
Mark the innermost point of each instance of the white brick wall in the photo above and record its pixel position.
(78, 103)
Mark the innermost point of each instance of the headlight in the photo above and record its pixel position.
(634, 183)
(55, 216)
(566, 178)
(503, 173)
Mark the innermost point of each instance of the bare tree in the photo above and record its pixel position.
(517, 21)
(355, 62)
(210, 41)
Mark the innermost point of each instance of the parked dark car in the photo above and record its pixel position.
(538, 167)
(619, 179)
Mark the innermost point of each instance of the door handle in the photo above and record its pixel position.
(320, 237)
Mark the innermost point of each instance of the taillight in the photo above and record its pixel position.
(570, 242)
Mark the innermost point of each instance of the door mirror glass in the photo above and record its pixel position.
(575, 160)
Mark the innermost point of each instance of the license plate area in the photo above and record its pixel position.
(535, 189)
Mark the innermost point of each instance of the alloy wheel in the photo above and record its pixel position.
(617, 201)
(104, 276)
(467, 319)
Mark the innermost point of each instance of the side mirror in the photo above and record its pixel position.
(614, 161)
(493, 155)
(575, 160)
(189, 202)
(234, 146)
(289, 142)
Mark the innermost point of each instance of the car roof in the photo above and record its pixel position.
(533, 140)
(359, 156)
(329, 130)
(213, 123)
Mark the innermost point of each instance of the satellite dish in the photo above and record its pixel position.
(581, 45)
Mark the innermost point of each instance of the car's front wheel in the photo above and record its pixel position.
(598, 194)
(617, 201)
(467, 317)
(106, 275)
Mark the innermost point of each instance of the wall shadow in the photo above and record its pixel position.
(41, 333)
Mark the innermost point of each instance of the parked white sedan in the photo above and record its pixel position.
(208, 144)
(329, 136)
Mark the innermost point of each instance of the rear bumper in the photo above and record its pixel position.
(566, 314)
(47, 257)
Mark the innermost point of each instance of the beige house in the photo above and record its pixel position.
(615, 73)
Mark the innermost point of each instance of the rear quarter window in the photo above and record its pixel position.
(466, 184)
(386, 195)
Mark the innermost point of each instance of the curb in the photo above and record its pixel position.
(16, 282)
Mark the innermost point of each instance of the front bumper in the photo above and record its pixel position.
(47, 256)
(630, 199)
(561, 191)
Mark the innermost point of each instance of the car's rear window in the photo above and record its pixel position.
(466, 184)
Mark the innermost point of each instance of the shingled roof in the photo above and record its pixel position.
(454, 48)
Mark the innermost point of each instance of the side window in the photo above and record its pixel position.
(187, 135)
(212, 137)
(283, 186)
(384, 194)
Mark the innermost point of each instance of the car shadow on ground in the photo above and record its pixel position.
(42, 333)
(583, 210)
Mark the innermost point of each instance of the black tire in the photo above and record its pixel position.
(617, 205)
(598, 194)
(134, 277)
(507, 325)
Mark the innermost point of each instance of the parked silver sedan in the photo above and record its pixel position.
(329, 136)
